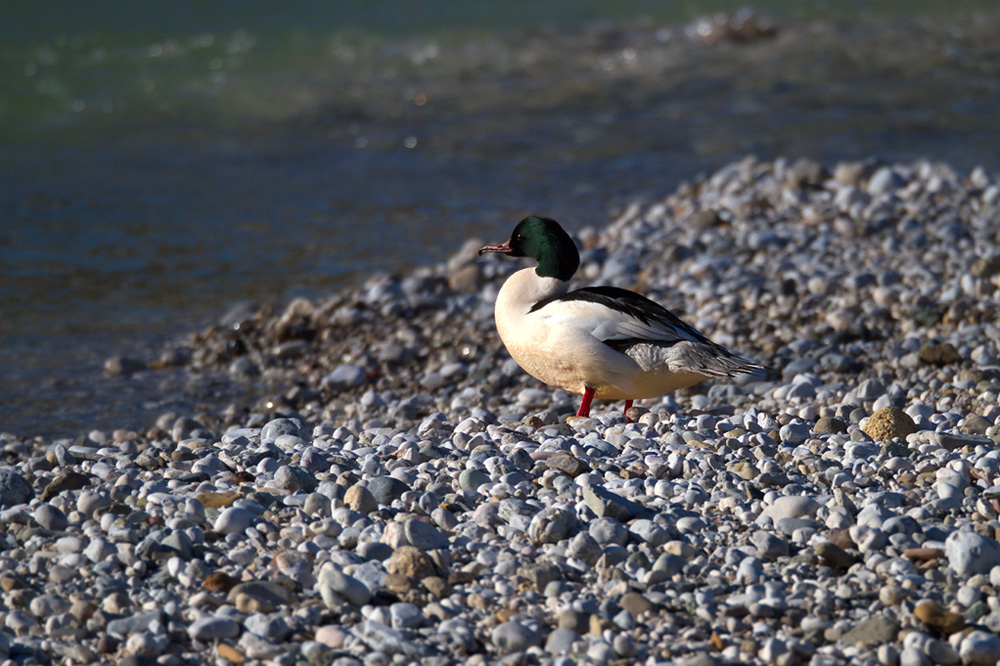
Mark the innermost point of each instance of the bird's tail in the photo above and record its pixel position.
(714, 360)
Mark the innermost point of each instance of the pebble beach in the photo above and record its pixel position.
(406, 494)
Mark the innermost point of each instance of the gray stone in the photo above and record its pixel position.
(374, 550)
(953, 441)
(551, 525)
(293, 479)
(378, 636)
(670, 563)
(560, 641)
(912, 656)
(282, 426)
(405, 615)
(511, 637)
(794, 433)
(317, 505)
(386, 489)
(234, 520)
(344, 377)
(970, 553)
(869, 389)
(178, 543)
(788, 526)
(584, 547)
(92, 504)
(750, 571)
(980, 648)
(873, 631)
(272, 627)
(647, 531)
(150, 621)
(99, 550)
(50, 517)
(796, 506)
(769, 546)
(516, 513)
(213, 628)
(885, 180)
(471, 479)
(334, 586)
(183, 427)
(46, 605)
(421, 534)
(567, 464)
(608, 531)
(604, 503)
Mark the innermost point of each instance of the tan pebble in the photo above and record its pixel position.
(217, 500)
(19, 598)
(408, 561)
(8, 583)
(681, 548)
(571, 619)
(889, 423)
(394, 535)
(248, 605)
(842, 538)
(437, 586)
(219, 582)
(931, 614)
(360, 499)
(230, 654)
(892, 595)
(398, 583)
(82, 609)
(923, 554)
(116, 603)
(942, 354)
(635, 603)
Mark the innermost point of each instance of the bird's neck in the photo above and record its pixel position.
(525, 288)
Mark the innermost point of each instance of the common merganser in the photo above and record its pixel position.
(598, 342)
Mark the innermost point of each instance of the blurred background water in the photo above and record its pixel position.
(160, 162)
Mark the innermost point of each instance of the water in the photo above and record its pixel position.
(158, 166)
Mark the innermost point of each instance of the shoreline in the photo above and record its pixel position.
(97, 256)
(405, 489)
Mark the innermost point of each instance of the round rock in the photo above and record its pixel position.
(50, 518)
(511, 637)
(889, 423)
(14, 489)
(423, 535)
(234, 520)
(386, 489)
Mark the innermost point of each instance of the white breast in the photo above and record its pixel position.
(553, 345)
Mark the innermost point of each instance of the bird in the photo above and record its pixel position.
(598, 342)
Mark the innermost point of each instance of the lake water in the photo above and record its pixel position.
(161, 163)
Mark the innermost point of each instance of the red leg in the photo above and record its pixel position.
(588, 397)
(628, 406)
